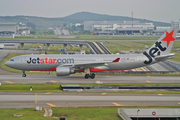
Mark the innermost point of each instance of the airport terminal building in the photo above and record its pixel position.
(176, 23)
(121, 27)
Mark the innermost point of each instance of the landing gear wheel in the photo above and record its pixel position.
(24, 75)
(86, 76)
(92, 76)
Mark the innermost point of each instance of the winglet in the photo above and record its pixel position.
(116, 60)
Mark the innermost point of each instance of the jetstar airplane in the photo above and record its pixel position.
(91, 63)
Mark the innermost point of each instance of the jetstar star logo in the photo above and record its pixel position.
(169, 37)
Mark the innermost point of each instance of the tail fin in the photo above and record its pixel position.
(164, 44)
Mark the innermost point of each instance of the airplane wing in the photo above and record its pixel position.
(90, 65)
(164, 57)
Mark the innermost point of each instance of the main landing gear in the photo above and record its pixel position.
(24, 74)
(92, 76)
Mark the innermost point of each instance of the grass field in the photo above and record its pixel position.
(81, 113)
(28, 114)
(56, 88)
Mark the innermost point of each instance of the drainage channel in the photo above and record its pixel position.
(119, 87)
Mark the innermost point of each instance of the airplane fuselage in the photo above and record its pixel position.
(50, 62)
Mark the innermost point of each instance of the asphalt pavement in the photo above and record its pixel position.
(30, 100)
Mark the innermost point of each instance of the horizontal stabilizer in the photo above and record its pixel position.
(164, 57)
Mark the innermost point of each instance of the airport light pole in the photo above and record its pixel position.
(137, 113)
(107, 24)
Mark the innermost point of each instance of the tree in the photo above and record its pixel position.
(32, 32)
(64, 25)
(31, 25)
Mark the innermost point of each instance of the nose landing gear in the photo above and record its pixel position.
(24, 74)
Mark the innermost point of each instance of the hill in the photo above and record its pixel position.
(74, 18)
(87, 16)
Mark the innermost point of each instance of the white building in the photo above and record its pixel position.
(8, 28)
(176, 23)
(162, 28)
(114, 25)
(24, 31)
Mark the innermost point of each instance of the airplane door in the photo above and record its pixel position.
(22, 60)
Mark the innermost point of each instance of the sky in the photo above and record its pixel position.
(157, 10)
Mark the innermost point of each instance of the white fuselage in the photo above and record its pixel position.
(50, 62)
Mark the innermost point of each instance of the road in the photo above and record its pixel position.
(30, 100)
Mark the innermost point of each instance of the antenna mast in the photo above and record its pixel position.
(132, 19)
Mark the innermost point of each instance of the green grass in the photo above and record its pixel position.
(56, 88)
(87, 113)
(77, 113)
(26, 87)
(28, 114)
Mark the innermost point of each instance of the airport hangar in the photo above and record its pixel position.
(8, 30)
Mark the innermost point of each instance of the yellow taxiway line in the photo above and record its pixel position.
(8, 82)
(116, 104)
(53, 81)
(148, 81)
(50, 104)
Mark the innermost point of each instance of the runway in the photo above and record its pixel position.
(30, 100)
(118, 79)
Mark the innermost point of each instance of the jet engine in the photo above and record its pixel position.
(64, 71)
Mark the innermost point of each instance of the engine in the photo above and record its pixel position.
(64, 71)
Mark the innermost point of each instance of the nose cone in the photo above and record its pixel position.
(7, 63)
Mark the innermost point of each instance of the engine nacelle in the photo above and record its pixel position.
(64, 71)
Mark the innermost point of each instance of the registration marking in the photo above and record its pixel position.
(50, 104)
(53, 81)
(8, 82)
(148, 81)
(116, 104)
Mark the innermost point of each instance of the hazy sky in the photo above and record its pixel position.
(158, 10)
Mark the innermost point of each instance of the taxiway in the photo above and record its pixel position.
(33, 79)
(27, 100)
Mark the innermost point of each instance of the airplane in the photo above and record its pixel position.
(90, 63)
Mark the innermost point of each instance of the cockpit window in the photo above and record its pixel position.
(11, 59)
